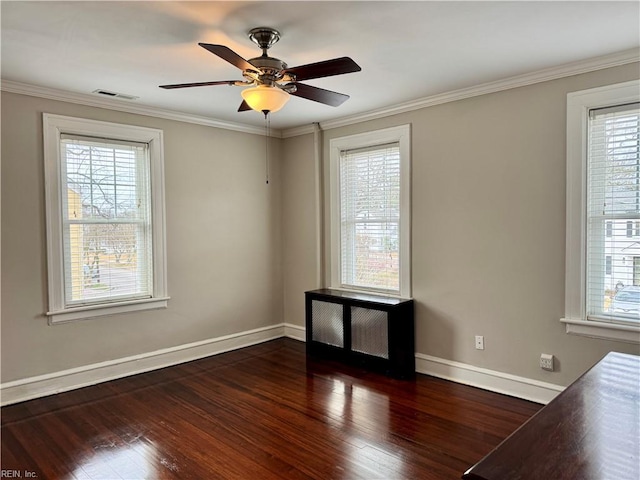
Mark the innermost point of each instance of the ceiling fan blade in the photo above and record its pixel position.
(337, 66)
(229, 55)
(320, 95)
(244, 106)
(199, 84)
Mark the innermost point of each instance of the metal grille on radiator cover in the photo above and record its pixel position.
(327, 323)
(369, 332)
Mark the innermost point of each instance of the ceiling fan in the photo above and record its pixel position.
(271, 80)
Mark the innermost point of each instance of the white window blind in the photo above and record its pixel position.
(106, 220)
(613, 213)
(370, 217)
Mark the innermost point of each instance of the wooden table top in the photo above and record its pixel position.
(590, 431)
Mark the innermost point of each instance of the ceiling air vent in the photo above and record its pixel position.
(107, 93)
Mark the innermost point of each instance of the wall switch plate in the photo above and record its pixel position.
(479, 342)
(546, 362)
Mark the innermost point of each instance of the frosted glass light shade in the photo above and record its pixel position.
(264, 98)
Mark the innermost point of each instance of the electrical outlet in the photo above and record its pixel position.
(546, 362)
(479, 342)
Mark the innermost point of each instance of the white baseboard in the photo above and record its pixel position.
(43, 385)
(294, 331)
(494, 381)
(499, 382)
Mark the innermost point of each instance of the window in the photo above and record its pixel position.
(370, 231)
(105, 218)
(603, 210)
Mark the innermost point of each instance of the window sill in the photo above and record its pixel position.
(603, 330)
(379, 293)
(87, 312)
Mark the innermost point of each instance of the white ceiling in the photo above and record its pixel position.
(407, 50)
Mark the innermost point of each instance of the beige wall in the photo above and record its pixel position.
(488, 235)
(488, 220)
(301, 248)
(223, 244)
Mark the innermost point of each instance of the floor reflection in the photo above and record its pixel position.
(135, 461)
(374, 461)
(350, 405)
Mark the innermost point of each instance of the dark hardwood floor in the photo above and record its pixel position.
(263, 412)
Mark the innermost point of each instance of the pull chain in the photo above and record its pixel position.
(267, 133)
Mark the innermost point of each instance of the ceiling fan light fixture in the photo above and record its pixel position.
(264, 98)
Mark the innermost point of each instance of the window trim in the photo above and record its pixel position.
(578, 106)
(402, 135)
(53, 127)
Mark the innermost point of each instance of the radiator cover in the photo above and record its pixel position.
(375, 332)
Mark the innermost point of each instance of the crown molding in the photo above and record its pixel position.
(127, 107)
(296, 131)
(567, 70)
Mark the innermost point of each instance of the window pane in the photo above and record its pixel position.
(613, 212)
(105, 178)
(370, 217)
(107, 236)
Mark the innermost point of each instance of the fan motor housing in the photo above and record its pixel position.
(268, 63)
(270, 69)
